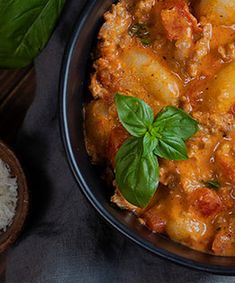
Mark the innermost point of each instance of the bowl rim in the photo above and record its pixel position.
(64, 132)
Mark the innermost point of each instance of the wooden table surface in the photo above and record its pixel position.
(17, 90)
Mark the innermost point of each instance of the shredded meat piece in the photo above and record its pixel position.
(180, 25)
(113, 36)
(227, 52)
(177, 19)
(142, 9)
(114, 30)
(121, 202)
(202, 48)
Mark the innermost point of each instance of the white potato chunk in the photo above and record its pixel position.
(184, 227)
(188, 228)
(153, 75)
(98, 125)
(218, 12)
(220, 96)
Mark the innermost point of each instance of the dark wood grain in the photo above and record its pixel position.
(17, 90)
(9, 79)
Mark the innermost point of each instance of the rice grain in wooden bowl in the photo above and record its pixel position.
(13, 197)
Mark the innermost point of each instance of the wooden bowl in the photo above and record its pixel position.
(13, 231)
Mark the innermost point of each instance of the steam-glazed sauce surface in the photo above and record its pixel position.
(180, 53)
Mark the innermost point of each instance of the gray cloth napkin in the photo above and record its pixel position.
(65, 239)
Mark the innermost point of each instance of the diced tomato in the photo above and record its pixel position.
(176, 19)
(117, 136)
(205, 202)
(154, 222)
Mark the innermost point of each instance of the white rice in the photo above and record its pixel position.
(8, 196)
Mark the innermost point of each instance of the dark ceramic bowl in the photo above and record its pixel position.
(74, 93)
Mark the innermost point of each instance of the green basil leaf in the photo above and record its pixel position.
(171, 148)
(175, 122)
(25, 27)
(135, 115)
(149, 143)
(137, 176)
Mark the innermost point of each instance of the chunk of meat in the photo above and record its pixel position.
(225, 159)
(198, 167)
(121, 202)
(201, 49)
(205, 202)
(113, 36)
(192, 41)
(143, 9)
(177, 19)
(114, 31)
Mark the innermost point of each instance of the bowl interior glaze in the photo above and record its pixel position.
(74, 93)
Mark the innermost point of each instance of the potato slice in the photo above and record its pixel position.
(220, 96)
(218, 12)
(152, 74)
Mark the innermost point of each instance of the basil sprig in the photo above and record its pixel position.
(136, 163)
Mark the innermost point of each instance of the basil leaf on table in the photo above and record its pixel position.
(137, 175)
(25, 27)
(174, 121)
(134, 114)
(171, 148)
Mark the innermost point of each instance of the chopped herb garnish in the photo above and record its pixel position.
(145, 41)
(212, 184)
(141, 31)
